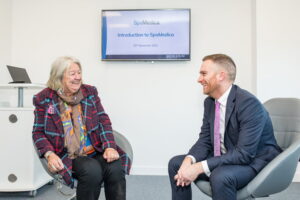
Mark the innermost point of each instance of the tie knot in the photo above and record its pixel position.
(217, 103)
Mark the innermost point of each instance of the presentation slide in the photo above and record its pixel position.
(146, 33)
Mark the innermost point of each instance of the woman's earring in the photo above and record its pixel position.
(60, 91)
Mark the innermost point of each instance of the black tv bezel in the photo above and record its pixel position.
(137, 56)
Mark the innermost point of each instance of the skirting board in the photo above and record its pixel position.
(149, 170)
(163, 171)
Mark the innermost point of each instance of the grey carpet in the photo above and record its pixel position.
(140, 188)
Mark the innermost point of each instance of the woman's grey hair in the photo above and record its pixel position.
(58, 68)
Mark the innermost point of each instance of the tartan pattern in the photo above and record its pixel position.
(48, 133)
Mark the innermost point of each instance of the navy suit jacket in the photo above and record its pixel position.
(249, 136)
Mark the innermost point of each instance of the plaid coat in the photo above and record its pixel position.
(48, 133)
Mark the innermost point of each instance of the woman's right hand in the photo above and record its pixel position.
(54, 163)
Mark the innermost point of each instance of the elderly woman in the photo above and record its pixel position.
(72, 131)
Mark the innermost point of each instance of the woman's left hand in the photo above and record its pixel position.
(110, 155)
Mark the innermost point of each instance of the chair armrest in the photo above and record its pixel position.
(124, 144)
(44, 163)
(275, 177)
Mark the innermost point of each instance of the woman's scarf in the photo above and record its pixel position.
(73, 124)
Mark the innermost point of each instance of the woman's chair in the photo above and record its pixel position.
(121, 141)
(279, 173)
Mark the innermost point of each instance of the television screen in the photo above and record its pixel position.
(155, 34)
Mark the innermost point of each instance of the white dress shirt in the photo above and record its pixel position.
(223, 102)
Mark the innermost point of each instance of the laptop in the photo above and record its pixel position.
(18, 75)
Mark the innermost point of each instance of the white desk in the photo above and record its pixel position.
(20, 87)
(20, 169)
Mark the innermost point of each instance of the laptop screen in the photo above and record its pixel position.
(18, 75)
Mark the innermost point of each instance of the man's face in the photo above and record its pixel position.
(209, 78)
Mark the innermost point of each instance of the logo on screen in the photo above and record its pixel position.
(145, 22)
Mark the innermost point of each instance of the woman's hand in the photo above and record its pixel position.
(110, 155)
(54, 163)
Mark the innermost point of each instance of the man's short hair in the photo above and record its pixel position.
(224, 61)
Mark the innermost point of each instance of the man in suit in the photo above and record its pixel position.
(236, 139)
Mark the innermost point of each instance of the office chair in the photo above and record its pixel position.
(278, 174)
(121, 141)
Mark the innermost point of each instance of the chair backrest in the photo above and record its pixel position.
(285, 115)
(279, 173)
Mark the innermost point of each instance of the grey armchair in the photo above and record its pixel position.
(279, 173)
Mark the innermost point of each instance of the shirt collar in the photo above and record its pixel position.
(223, 99)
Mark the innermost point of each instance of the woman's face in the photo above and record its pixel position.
(72, 79)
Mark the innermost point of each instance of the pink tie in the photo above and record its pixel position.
(217, 136)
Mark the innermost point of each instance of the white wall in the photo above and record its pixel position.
(157, 106)
(5, 47)
(278, 50)
(5, 38)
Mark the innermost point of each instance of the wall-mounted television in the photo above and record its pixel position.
(146, 34)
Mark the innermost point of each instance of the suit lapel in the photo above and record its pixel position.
(229, 110)
(55, 114)
(88, 113)
(230, 105)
